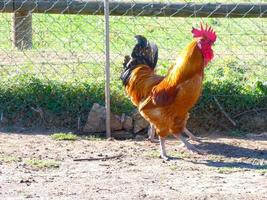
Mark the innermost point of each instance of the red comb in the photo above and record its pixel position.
(207, 32)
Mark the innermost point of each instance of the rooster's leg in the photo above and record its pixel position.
(190, 135)
(189, 146)
(162, 148)
(151, 133)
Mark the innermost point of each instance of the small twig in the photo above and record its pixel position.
(93, 159)
(223, 112)
(248, 111)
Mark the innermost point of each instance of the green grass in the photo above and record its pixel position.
(227, 170)
(152, 154)
(181, 155)
(174, 167)
(64, 72)
(93, 138)
(175, 154)
(71, 136)
(262, 169)
(8, 158)
(41, 164)
(64, 136)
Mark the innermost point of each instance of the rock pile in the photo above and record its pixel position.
(122, 127)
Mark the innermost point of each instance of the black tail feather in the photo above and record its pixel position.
(143, 53)
(141, 41)
(126, 61)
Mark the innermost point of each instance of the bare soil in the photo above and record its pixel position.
(35, 166)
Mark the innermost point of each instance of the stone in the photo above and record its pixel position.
(115, 122)
(96, 121)
(127, 122)
(139, 123)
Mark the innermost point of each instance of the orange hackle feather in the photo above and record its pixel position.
(189, 64)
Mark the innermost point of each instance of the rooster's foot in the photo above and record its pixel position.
(191, 147)
(191, 135)
(195, 139)
(165, 157)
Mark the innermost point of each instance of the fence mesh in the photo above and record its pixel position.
(62, 74)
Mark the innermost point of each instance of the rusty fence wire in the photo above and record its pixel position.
(52, 55)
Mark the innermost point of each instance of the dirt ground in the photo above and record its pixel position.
(35, 166)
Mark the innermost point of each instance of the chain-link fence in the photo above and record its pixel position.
(52, 56)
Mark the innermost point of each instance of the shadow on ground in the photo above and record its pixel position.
(228, 150)
(241, 165)
(232, 151)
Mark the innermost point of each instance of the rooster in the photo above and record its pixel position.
(164, 101)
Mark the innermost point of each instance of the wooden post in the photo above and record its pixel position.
(120, 8)
(22, 30)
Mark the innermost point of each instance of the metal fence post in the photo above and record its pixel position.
(107, 69)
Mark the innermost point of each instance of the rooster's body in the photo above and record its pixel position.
(165, 101)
